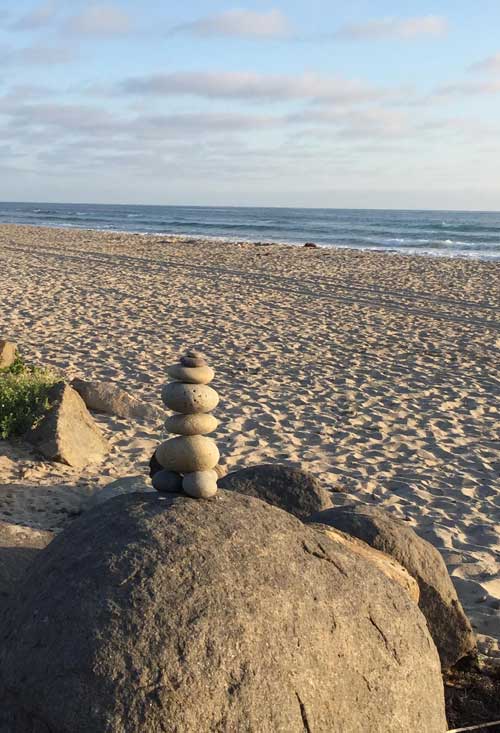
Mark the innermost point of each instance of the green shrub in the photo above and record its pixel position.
(23, 397)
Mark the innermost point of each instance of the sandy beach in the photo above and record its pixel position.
(376, 372)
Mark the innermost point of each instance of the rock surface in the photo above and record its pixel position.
(19, 546)
(107, 397)
(387, 564)
(448, 624)
(189, 398)
(67, 433)
(199, 424)
(188, 453)
(166, 614)
(289, 488)
(119, 487)
(8, 352)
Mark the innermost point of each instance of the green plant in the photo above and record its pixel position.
(23, 397)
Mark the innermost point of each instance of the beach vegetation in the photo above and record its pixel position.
(23, 397)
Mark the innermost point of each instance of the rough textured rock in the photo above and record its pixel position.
(119, 487)
(68, 433)
(448, 624)
(8, 352)
(387, 564)
(107, 397)
(167, 614)
(289, 488)
(188, 453)
(19, 546)
(191, 375)
(189, 398)
(199, 424)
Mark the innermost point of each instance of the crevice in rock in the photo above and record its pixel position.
(303, 714)
(323, 556)
(389, 648)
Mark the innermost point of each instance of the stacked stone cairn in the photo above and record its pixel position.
(189, 460)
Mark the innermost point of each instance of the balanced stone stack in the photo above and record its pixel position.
(189, 460)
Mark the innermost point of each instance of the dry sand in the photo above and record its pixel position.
(376, 372)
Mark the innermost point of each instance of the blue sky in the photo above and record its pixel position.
(355, 104)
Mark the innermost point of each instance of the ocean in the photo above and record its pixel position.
(445, 233)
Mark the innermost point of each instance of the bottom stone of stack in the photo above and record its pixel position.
(200, 484)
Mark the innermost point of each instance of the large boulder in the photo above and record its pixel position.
(19, 546)
(448, 624)
(109, 398)
(67, 433)
(385, 563)
(164, 613)
(288, 488)
(8, 353)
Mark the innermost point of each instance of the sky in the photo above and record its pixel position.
(316, 104)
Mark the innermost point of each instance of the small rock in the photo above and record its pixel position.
(189, 398)
(193, 354)
(167, 482)
(199, 424)
(312, 245)
(119, 487)
(8, 352)
(113, 400)
(200, 484)
(68, 433)
(188, 454)
(191, 375)
(190, 361)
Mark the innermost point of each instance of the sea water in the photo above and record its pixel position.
(449, 233)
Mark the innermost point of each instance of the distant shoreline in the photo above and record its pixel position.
(215, 240)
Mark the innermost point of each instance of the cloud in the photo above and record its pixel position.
(468, 88)
(41, 16)
(428, 25)
(36, 56)
(251, 86)
(491, 64)
(239, 24)
(100, 20)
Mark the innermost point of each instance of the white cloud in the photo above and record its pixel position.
(491, 64)
(41, 16)
(100, 20)
(468, 88)
(252, 86)
(427, 25)
(36, 55)
(239, 23)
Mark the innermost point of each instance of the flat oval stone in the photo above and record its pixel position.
(191, 361)
(189, 398)
(194, 354)
(188, 454)
(167, 482)
(200, 424)
(191, 375)
(200, 484)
